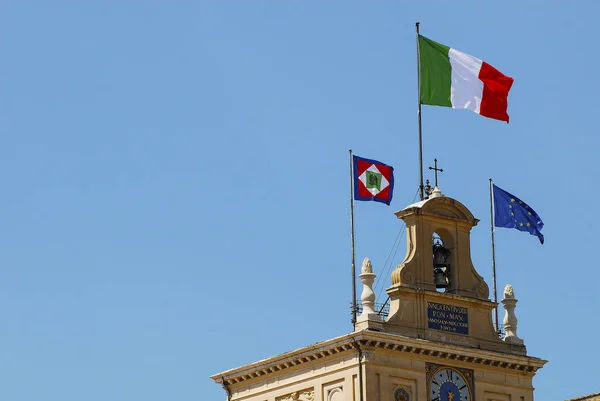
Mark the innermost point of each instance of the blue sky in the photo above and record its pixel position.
(175, 181)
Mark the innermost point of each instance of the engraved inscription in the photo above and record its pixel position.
(454, 319)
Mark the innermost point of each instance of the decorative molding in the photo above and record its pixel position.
(368, 356)
(443, 338)
(302, 395)
(334, 393)
(370, 342)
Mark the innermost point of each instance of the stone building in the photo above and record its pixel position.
(438, 342)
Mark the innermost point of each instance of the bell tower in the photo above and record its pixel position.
(441, 227)
(436, 293)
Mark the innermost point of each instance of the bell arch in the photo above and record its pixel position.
(452, 221)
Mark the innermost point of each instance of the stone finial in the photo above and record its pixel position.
(509, 292)
(367, 267)
(510, 320)
(367, 297)
(368, 319)
(436, 193)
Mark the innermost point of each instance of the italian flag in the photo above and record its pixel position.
(455, 79)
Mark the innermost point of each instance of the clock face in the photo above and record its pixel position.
(449, 385)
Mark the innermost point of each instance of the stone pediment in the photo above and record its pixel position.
(440, 207)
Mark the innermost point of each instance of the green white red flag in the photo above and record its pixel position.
(451, 78)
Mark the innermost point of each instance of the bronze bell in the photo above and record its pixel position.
(440, 265)
(439, 255)
(439, 277)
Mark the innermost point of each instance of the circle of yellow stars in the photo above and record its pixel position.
(512, 200)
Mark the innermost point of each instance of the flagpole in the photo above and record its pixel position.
(354, 307)
(493, 256)
(419, 116)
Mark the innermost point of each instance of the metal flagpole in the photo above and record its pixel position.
(419, 116)
(493, 256)
(354, 307)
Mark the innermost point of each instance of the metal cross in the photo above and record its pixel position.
(436, 170)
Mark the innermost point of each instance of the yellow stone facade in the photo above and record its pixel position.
(412, 355)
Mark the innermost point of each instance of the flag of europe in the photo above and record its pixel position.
(512, 212)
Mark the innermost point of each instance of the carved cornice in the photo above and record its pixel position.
(374, 341)
(486, 360)
(286, 361)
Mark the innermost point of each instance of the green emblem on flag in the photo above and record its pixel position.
(373, 180)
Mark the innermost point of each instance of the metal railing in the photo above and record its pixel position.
(381, 309)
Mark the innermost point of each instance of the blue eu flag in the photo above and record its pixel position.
(512, 212)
